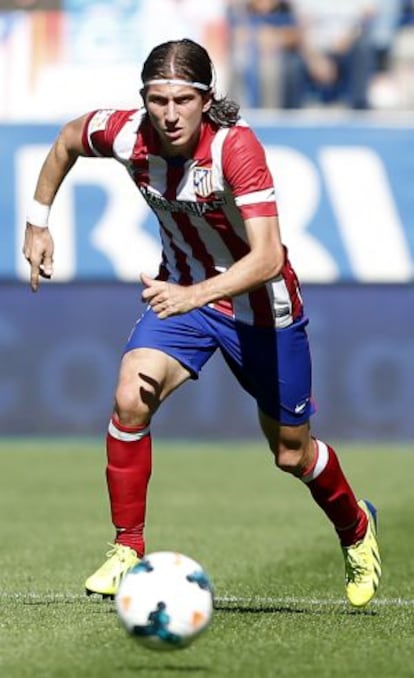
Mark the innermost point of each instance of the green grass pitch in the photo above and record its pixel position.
(273, 558)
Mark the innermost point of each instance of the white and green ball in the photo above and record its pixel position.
(166, 601)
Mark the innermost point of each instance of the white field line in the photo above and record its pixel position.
(269, 601)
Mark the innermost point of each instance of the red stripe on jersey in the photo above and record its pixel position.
(162, 269)
(259, 209)
(224, 306)
(293, 287)
(175, 173)
(263, 313)
(85, 140)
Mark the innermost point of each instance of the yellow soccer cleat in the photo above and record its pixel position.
(363, 562)
(105, 581)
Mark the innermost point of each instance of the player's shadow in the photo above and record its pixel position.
(258, 609)
(231, 608)
(170, 668)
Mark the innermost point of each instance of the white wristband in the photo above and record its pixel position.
(38, 214)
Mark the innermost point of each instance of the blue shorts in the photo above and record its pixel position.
(274, 366)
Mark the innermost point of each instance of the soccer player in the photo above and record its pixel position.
(225, 282)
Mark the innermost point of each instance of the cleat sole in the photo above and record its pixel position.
(104, 596)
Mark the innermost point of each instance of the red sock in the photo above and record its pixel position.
(128, 472)
(331, 491)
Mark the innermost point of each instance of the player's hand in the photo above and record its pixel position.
(167, 299)
(38, 249)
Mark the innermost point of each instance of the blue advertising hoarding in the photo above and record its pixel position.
(60, 350)
(344, 191)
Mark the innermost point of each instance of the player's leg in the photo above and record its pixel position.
(317, 465)
(146, 378)
(160, 356)
(275, 367)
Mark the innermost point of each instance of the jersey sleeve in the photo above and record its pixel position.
(246, 171)
(100, 130)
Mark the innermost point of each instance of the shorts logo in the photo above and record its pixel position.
(203, 181)
(300, 407)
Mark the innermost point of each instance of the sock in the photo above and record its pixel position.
(332, 492)
(128, 472)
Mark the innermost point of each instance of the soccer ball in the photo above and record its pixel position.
(165, 601)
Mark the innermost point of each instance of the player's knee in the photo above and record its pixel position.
(130, 408)
(289, 458)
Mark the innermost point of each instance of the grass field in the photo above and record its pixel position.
(273, 558)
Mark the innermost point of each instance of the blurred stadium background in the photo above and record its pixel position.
(343, 161)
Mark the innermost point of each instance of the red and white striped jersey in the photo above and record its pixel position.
(201, 204)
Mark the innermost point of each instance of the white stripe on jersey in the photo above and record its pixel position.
(125, 140)
(257, 196)
(186, 188)
(281, 301)
(217, 157)
(157, 168)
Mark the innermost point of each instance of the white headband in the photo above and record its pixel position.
(177, 81)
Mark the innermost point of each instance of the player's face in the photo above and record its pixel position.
(176, 112)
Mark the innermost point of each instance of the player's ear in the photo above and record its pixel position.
(208, 100)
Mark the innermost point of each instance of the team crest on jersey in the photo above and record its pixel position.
(203, 181)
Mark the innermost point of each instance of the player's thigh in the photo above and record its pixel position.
(161, 354)
(148, 376)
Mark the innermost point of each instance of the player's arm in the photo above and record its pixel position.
(263, 262)
(38, 244)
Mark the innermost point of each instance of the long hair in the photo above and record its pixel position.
(187, 60)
